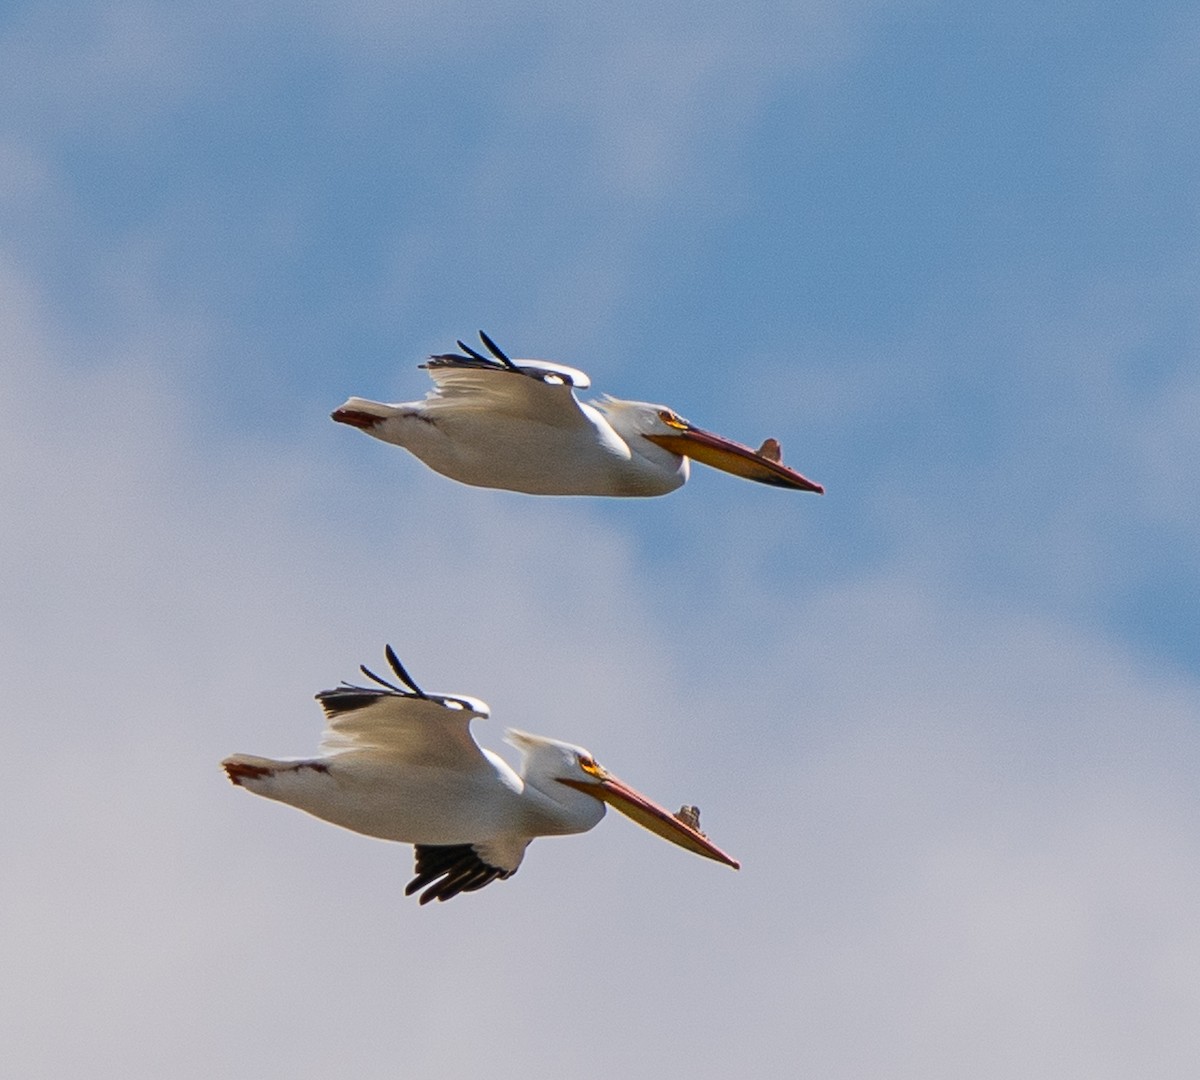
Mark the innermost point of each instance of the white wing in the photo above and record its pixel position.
(530, 390)
(403, 723)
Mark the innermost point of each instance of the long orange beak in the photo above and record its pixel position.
(762, 466)
(651, 816)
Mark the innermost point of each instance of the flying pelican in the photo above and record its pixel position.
(499, 423)
(401, 764)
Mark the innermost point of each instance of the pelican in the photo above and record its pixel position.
(400, 764)
(517, 424)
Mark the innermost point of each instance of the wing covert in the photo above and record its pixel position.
(532, 390)
(404, 721)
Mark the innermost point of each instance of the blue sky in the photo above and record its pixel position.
(945, 715)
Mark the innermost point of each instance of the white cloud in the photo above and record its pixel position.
(969, 837)
(967, 821)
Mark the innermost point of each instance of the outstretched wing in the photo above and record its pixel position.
(402, 721)
(445, 870)
(530, 390)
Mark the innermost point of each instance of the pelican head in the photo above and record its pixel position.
(573, 766)
(667, 430)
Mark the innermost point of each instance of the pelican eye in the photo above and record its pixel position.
(671, 420)
(588, 764)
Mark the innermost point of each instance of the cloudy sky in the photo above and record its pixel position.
(946, 715)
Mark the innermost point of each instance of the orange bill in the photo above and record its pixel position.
(651, 816)
(762, 466)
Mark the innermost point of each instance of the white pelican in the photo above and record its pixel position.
(401, 764)
(500, 423)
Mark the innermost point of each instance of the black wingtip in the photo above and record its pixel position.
(344, 699)
(496, 351)
(401, 674)
(382, 682)
(444, 871)
(470, 352)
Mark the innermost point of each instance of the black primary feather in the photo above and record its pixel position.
(474, 358)
(383, 682)
(410, 688)
(496, 351)
(473, 354)
(445, 870)
(347, 698)
(401, 674)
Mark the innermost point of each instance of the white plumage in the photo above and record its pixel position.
(499, 423)
(400, 764)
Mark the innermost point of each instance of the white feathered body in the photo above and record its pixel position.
(377, 794)
(575, 450)
(403, 767)
(400, 764)
(517, 425)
